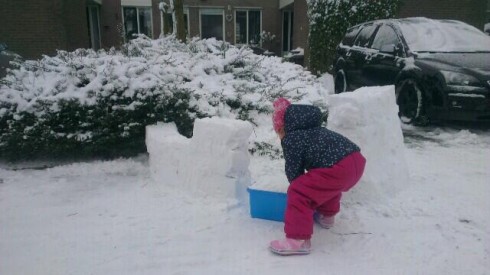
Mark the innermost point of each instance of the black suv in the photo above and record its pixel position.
(440, 68)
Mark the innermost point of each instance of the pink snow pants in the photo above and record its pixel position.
(319, 190)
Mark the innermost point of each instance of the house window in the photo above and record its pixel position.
(248, 26)
(287, 31)
(137, 20)
(212, 23)
(94, 26)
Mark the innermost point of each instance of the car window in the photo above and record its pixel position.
(385, 36)
(350, 36)
(364, 36)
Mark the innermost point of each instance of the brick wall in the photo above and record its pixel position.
(36, 27)
(32, 27)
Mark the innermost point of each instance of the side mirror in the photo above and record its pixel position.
(388, 49)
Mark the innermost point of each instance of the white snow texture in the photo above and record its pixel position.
(218, 150)
(213, 162)
(369, 117)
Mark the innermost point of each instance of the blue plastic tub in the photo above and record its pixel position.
(267, 205)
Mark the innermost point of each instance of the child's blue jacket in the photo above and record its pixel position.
(308, 145)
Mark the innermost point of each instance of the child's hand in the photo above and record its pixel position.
(281, 133)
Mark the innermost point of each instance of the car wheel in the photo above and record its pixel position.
(411, 102)
(340, 82)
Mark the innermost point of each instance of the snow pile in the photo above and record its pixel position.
(108, 218)
(270, 176)
(214, 162)
(369, 117)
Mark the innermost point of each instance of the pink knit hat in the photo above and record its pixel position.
(280, 106)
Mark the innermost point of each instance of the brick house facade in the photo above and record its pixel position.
(36, 27)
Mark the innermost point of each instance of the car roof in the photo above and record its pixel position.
(407, 20)
(452, 35)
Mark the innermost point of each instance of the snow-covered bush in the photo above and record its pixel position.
(88, 103)
(329, 19)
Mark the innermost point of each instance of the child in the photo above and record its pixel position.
(333, 165)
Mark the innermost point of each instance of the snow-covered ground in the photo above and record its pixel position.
(111, 218)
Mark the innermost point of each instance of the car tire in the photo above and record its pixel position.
(340, 82)
(410, 97)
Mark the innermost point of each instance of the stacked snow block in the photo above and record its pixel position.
(214, 162)
(369, 117)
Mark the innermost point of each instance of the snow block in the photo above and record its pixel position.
(369, 117)
(165, 146)
(214, 162)
(267, 205)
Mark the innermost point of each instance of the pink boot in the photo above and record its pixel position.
(324, 221)
(290, 247)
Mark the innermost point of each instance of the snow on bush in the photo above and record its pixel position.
(98, 102)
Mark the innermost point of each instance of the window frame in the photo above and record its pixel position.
(204, 11)
(398, 38)
(369, 41)
(355, 30)
(137, 19)
(288, 39)
(91, 26)
(247, 10)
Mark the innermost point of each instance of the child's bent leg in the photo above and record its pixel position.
(331, 207)
(305, 194)
(325, 213)
(298, 219)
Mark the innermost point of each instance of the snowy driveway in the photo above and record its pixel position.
(110, 218)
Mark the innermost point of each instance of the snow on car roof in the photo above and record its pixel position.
(429, 35)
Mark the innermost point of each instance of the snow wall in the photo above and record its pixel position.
(214, 162)
(369, 117)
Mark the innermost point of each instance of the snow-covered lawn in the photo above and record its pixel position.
(111, 218)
